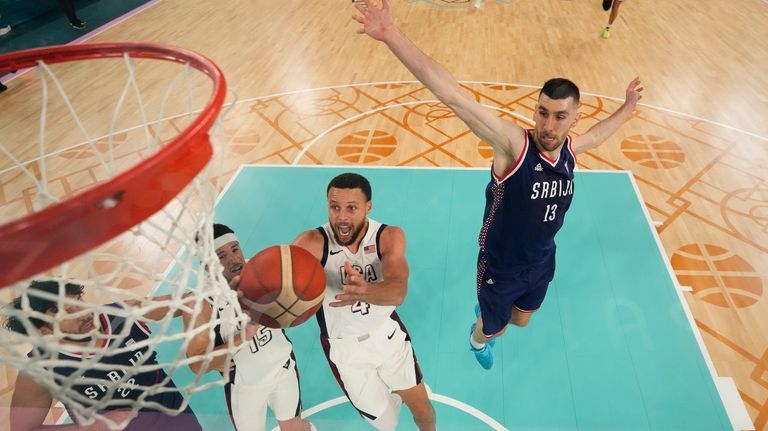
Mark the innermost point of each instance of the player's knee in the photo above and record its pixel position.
(519, 322)
(520, 319)
(423, 413)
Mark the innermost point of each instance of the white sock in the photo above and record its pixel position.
(475, 344)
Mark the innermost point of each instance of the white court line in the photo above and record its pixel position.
(466, 408)
(735, 409)
(616, 99)
(383, 108)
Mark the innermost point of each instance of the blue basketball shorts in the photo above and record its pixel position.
(523, 289)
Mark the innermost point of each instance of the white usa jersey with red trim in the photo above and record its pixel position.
(360, 318)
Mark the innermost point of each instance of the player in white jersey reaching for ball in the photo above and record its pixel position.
(367, 345)
(265, 371)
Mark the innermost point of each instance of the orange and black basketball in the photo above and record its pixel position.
(284, 286)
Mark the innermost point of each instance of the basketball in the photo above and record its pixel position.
(284, 286)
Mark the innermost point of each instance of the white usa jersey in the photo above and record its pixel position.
(360, 318)
(265, 354)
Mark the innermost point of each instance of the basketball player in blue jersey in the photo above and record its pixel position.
(31, 401)
(367, 345)
(265, 373)
(531, 181)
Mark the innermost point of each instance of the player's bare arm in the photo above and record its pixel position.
(504, 136)
(601, 131)
(29, 404)
(156, 314)
(312, 241)
(395, 285)
(199, 343)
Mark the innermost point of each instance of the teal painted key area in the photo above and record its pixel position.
(610, 349)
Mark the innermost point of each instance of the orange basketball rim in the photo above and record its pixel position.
(66, 229)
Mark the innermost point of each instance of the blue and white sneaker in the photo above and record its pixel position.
(485, 355)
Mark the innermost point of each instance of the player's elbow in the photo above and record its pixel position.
(399, 296)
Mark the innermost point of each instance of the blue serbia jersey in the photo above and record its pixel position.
(111, 326)
(525, 208)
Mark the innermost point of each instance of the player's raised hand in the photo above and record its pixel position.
(355, 288)
(376, 22)
(633, 92)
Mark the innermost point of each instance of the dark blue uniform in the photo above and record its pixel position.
(148, 418)
(524, 210)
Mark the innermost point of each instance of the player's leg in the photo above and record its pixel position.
(530, 301)
(352, 362)
(614, 11)
(402, 374)
(249, 406)
(285, 401)
(477, 339)
(520, 317)
(417, 400)
(612, 17)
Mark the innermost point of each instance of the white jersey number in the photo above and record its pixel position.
(361, 307)
(549, 215)
(261, 339)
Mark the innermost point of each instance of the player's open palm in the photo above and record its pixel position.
(633, 92)
(375, 21)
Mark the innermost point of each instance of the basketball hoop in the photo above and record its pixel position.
(139, 225)
(53, 235)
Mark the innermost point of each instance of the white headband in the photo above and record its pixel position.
(223, 240)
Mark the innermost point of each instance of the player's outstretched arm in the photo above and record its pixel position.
(312, 241)
(29, 405)
(601, 131)
(201, 343)
(395, 272)
(156, 314)
(505, 137)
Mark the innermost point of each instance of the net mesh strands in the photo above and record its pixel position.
(116, 194)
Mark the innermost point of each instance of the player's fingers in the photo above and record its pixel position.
(352, 289)
(337, 304)
(235, 282)
(358, 19)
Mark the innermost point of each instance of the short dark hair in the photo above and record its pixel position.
(221, 229)
(560, 88)
(218, 230)
(351, 180)
(40, 305)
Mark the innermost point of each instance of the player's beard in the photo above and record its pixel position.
(87, 330)
(352, 237)
(548, 141)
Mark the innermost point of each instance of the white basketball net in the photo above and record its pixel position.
(141, 105)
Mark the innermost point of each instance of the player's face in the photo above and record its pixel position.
(554, 118)
(347, 213)
(75, 322)
(231, 258)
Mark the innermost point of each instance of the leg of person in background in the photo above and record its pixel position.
(69, 10)
(614, 6)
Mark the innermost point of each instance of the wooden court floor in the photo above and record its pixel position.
(311, 91)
